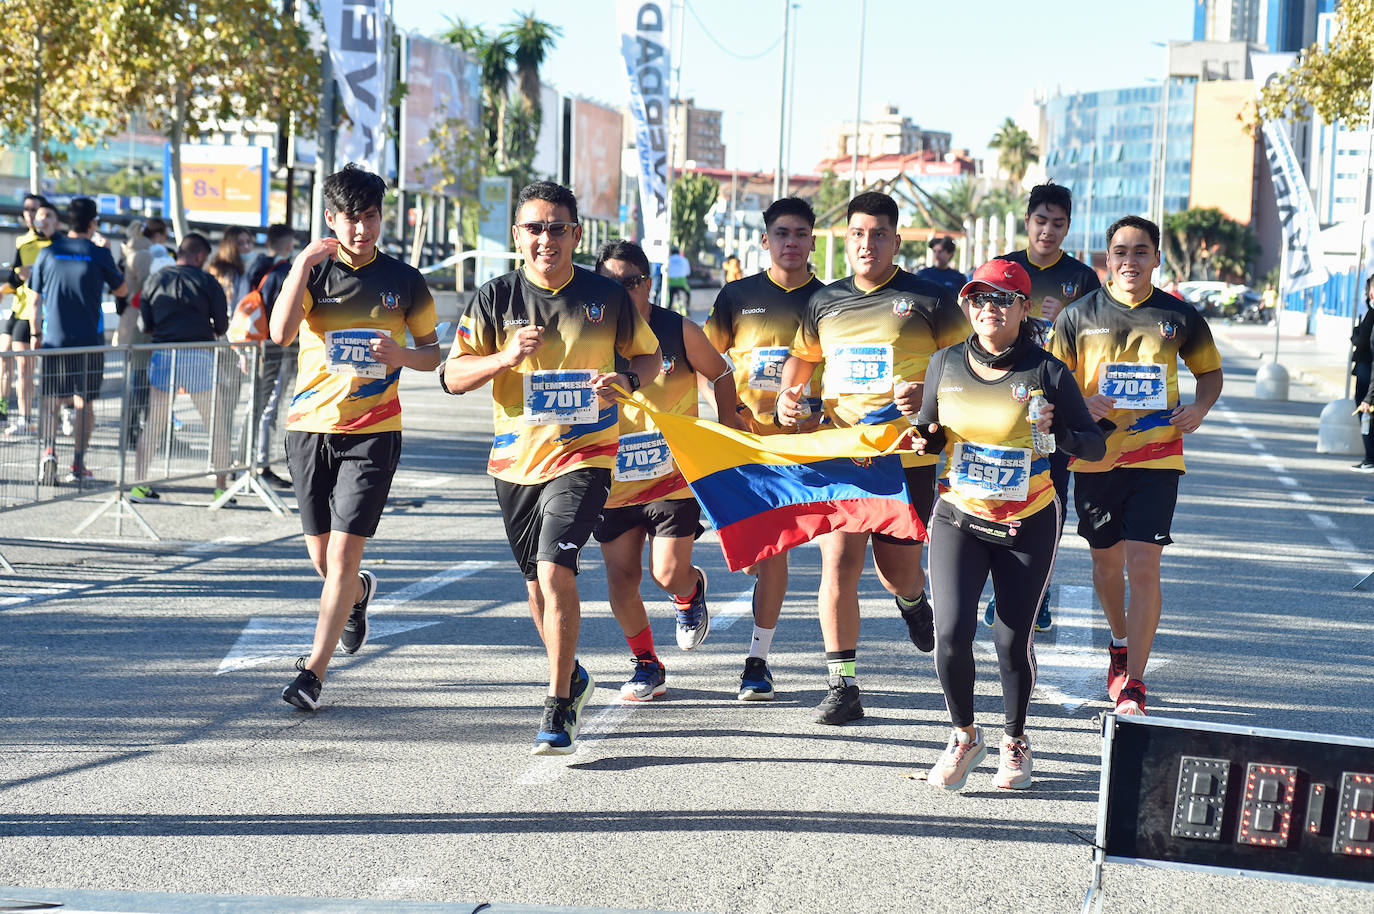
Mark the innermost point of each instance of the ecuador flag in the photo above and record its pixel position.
(766, 494)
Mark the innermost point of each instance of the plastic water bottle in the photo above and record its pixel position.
(1364, 423)
(1043, 443)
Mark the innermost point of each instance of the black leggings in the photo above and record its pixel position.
(959, 567)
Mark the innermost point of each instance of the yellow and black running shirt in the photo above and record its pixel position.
(1067, 279)
(1131, 353)
(547, 420)
(644, 468)
(26, 251)
(340, 388)
(753, 323)
(871, 340)
(993, 470)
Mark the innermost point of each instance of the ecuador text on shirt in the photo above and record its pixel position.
(339, 386)
(870, 340)
(546, 419)
(1131, 352)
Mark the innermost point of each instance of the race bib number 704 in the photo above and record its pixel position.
(1134, 385)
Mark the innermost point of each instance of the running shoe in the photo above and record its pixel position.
(650, 681)
(272, 479)
(304, 690)
(1043, 620)
(68, 421)
(143, 495)
(47, 470)
(1116, 671)
(990, 614)
(1013, 764)
(756, 684)
(1364, 466)
(960, 757)
(77, 474)
(579, 692)
(1131, 701)
(693, 619)
(18, 426)
(355, 629)
(558, 729)
(841, 705)
(218, 493)
(920, 622)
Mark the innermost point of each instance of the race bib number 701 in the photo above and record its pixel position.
(560, 397)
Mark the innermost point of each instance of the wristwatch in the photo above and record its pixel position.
(633, 378)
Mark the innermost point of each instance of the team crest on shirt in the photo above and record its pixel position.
(1069, 289)
(902, 307)
(391, 301)
(596, 312)
(1167, 330)
(864, 462)
(1020, 392)
(669, 363)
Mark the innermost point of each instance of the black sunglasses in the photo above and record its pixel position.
(633, 282)
(1002, 300)
(555, 229)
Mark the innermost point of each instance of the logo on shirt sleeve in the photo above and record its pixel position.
(596, 312)
(391, 301)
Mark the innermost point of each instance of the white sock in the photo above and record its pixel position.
(1118, 642)
(763, 640)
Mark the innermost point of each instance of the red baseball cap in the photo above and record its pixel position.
(999, 274)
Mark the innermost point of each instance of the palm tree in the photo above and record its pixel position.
(530, 40)
(493, 56)
(1016, 151)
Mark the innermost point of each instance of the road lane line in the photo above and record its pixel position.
(740, 604)
(1321, 521)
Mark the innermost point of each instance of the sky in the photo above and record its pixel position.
(960, 67)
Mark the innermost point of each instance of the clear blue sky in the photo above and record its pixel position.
(960, 66)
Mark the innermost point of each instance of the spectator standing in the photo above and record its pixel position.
(1362, 359)
(229, 266)
(679, 292)
(16, 327)
(942, 274)
(278, 374)
(184, 304)
(147, 254)
(67, 281)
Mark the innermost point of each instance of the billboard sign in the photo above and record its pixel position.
(220, 184)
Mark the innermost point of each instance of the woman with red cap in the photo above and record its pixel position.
(997, 512)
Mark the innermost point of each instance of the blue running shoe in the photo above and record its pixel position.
(693, 619)
(757, 683)
(1043, 620)
(650, 681)
(579, 692)
(557, 731)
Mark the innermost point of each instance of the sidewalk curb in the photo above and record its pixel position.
(1264, 354)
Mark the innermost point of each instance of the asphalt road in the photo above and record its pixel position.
(145, 746)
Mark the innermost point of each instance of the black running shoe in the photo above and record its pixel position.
(304, 690)
(920, 622)
(841, 705)
(272, 479)
(355, 629)
(557, 733)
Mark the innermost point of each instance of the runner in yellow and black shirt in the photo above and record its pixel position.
(998, 512)
(875, 331)
(546, 337)
(754, 322)
(351, 306)
(1123, 344)
(16, 324)
(649, 496)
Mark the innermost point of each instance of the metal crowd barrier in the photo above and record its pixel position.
(152, 414)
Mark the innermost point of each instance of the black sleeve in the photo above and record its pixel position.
(930, 404)
(1074, 429)
(219, 307)
(271, 288)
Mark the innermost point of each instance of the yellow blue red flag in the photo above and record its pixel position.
(766, 494)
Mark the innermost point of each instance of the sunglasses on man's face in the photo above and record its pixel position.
(1003, 300)
(633, 282)
(555, 229)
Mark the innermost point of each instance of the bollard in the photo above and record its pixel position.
(1338, 432)
(1271, 382)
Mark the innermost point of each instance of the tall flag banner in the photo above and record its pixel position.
(644, 32)
(766, 494)
(1305, 265)
(356, 34)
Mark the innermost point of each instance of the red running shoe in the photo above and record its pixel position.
(1116, 671)
(1132, 698)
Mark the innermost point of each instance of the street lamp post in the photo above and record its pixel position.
(858, 101)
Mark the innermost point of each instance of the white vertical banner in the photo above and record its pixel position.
(644, 26)
(1304, 266)
(356, 32)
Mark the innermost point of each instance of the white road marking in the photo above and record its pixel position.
(268, 638)
(1302, 497)
(1321, 521)
(1288, 481)
(216, 545)
(1258, 446)
(547, 769)
(36, 593)
(740, 604)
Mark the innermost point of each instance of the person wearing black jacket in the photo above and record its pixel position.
(1362, 361)
(185, 304)
(998, 512)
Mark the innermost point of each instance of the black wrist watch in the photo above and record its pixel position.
(633, 378)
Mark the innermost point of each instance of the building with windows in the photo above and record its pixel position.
(1278, 25)
(696, 135)
(889, 133)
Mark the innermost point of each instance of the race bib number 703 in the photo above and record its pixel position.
(349, 352)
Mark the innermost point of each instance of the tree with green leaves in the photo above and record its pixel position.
(1016, 151)
(530, 41)
(693, 196)
(1333, 82)
(831, 197)
(1205, 243)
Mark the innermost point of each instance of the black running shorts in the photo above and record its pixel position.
(920, 485)
(1126, 503)
(342, 481)
(667, 518)
(17, 329)
(80, 374)
(551, 521)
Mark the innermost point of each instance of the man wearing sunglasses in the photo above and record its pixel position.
(876, 331)
(16, 323)
(649, 496)
(546, 336)
(753, 321)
